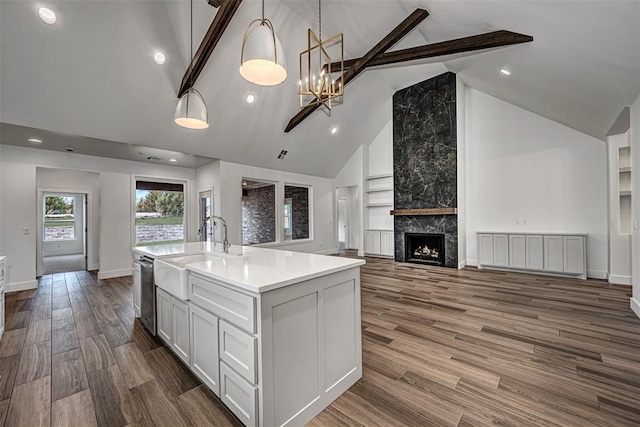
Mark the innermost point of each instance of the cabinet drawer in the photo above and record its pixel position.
(237, 308)
(238, 350)
(239, 396)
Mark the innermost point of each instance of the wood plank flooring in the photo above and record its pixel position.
(441, 347)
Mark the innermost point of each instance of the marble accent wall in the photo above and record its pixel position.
(424, 161)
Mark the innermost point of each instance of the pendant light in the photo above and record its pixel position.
(262, 59)
(321, 78)
(191, 111)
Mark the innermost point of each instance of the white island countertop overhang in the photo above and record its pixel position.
(251, 268)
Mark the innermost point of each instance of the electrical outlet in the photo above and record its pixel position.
(517, 222)
(26, 231)
(524, 222)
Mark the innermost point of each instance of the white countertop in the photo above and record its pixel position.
(173, 249)
(257, 269)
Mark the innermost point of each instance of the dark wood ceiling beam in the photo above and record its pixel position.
(466, 44)
(215, 3)
(361, 63)
(211, 39)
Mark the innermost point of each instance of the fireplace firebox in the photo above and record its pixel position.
(424, 248)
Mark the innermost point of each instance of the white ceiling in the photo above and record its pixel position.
(92, 74)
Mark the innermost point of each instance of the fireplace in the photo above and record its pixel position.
(424, 248)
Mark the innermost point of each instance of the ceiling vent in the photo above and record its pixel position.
(156, 158)
(282, 154)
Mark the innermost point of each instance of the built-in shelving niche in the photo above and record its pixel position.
(624, 188)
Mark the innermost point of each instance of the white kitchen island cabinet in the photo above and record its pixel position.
(543, 253)
(276, 335)
(286, 353)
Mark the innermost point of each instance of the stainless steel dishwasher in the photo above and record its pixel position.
(147, 294)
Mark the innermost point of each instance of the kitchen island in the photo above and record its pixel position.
(275, 334)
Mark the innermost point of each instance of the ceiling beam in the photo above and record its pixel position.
(465, 44)
(211, 39)
(215, 3)
(361, 63)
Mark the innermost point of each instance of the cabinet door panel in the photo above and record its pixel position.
(485, 249)
(164, 320)
(573, 254)
(180, 314)
(375, 236)
(553, 254)
(238, 350)
(239, 396)
(204, 347)
(501, 250)
(136, 289)
(517, 251)
(534, 253)
(384, 242)
(368, 242)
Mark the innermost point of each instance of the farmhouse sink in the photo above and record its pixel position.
(171, 274)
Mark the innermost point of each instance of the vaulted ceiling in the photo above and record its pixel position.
(92, 74)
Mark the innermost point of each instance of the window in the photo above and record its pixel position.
(258, 212)
(159, 213)
(296, 212)
(59, 218)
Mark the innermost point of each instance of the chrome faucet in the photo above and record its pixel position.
(225, 242)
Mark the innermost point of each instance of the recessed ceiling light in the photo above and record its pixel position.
(35, 140)
(334, 130)
(173, 160)
(159, 58)
(505, 72)
(250, 98)
(47, 15)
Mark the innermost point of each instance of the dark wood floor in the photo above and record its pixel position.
(440, 347)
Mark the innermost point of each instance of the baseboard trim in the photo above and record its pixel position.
(114, 273)
(635, 306)
(620, 280)
(93, 267)
(462, 264)
(472, 262)
(21, 286)
(597, 274)
(360, 253)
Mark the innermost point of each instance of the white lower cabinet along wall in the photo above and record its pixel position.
(164, 322)
(379, 242)
(549, 253)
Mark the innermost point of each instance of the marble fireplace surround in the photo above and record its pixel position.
(425, 163)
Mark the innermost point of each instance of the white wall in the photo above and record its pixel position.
(227, 178)
(619, 244)
(635, 201)
(18, 205)
(380, 152)
(523, 166)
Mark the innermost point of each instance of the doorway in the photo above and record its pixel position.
(63, 236)
(205, 209)
(343, 224)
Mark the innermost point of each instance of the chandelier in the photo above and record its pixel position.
(320, 78)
